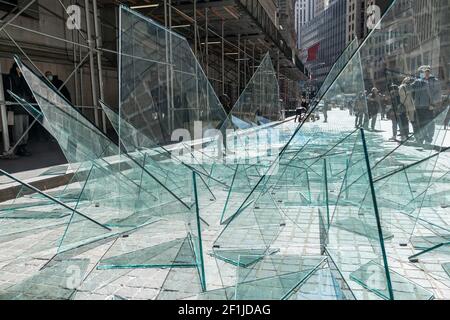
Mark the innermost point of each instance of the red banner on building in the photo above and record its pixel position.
(313, 52)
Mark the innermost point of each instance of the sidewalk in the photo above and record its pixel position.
(44, 154)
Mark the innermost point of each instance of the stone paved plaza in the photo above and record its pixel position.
(22, 269)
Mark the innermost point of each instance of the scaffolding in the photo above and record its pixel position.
(218, 32)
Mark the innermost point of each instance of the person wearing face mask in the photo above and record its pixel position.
(427, 97)
(59, 85)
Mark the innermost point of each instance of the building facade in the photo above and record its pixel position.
(414, 34)
(358, 14)
(332, 25)
(327, 31)
(320, 5)
(304, 12)
(287, 22)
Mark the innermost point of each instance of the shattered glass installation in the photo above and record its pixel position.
(332, 208)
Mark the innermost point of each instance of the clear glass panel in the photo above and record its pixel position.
(44, 219)
(273, 277)
(150, 247)
(165, 96)
(415, 196)
(180, 283)
(162, 86)
(125, 254)
(259, 102)
(195, 229)
(57, 282)
(144, 151)
(371, 276)
(136, 191)
(355, 224)
(251, 232)
(373, 174)
(446, 267)
(406, 106)
(337, 67)
(321, 285)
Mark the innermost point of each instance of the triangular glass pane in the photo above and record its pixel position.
(168, 254)
(259, 102)
(281, 273)
(321, 285)
(45, 223)
(155, 62)
(250, 232)
(58, 282)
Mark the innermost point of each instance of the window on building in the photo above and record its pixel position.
(426, 58)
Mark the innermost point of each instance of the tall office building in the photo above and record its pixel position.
(304, 12)
(323, 39)
(326, 27)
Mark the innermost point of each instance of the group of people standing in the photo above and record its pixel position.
(414, 101)
(15, 82)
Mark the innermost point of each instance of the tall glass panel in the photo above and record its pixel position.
(259, 103)
(162, 86)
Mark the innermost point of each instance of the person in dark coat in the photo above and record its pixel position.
(427, 97)
(301, 110)
(374, 101)
(17, 84)
(59, 85)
